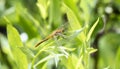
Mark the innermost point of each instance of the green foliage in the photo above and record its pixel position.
(117, 59)
(15, 40)
(82, 37)
(108, 46)
(15, 43)
(91, 30)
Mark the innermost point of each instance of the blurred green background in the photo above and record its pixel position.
(23, 23)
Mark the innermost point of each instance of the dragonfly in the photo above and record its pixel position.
(54, 33)
(59, 32)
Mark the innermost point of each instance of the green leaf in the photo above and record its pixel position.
(91, 50)
(75, 24)
(86, 8)
(91, 30)
(20, 59)
(55, 56)
(74, 21)
(13, 36)
(71, 62)
(72, 6)
(117, 66)
(43, 60)
(55, 12)
(27, 52)
(15, 43)
(43, 7)
(73, 18)
(5, 46)
(79, 64)
(28, 25)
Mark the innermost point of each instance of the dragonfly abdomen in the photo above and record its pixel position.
(41, 42)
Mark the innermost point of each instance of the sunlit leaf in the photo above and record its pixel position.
(74, 23)
(13, 36)
(15, 43)
(55, 56)
(43, 7)
(79, 64)
(43, 60)
(72, 6)
(68, 49)
(91, 50)
(20, 58)
(71, 62)
(91, 30)
(27, 52)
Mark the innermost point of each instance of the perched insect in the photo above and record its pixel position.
(54, 33)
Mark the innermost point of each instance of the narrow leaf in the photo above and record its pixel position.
(43, 60)
(55, 12)
(72, 6)
(91, 50)
(92, 29)
(43, 6)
